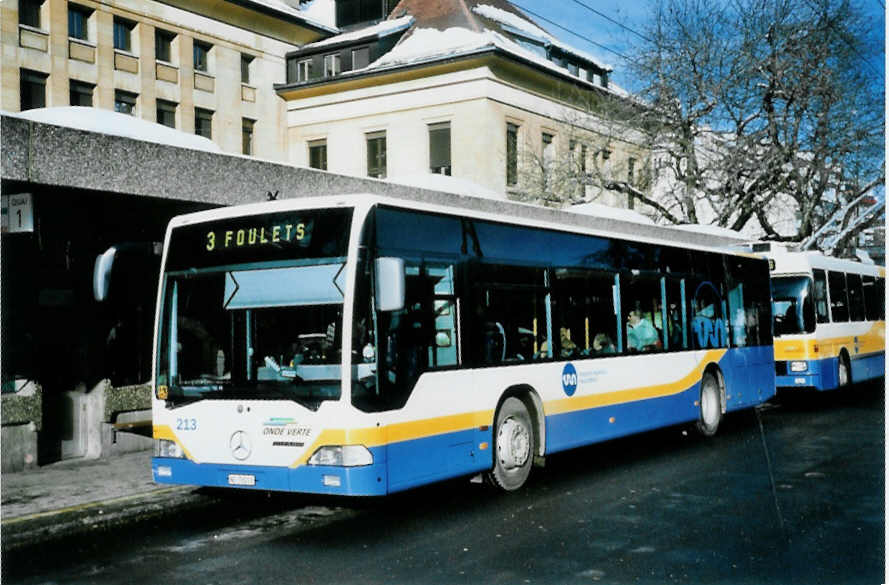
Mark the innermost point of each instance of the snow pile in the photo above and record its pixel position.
(380, 29)
(116, 124)
(446, 184)
(609, 212)
(533, 31)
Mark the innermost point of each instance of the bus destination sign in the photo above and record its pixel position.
(292, 235)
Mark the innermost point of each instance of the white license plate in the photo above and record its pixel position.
(241, 479)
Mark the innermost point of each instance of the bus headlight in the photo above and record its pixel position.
(167, 448)
(342, 456)
(799, 366)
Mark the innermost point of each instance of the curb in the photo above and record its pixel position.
(25, 531)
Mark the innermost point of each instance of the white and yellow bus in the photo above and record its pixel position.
(829, 316)
(360, 345)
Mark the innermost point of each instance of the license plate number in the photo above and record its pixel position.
(241, 479)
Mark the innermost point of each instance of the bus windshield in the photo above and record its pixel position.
(272, 333)
(792, 305)
(253, 307)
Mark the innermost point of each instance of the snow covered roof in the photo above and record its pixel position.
(712, 230)
(455, 185)
(381, 29)
(526, 27)
(116, 124)
(607, 211)
(317, 13)
(423, 45)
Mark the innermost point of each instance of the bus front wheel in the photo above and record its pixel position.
(710, 404)
(513, 446)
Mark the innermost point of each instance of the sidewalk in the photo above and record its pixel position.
(64, 498)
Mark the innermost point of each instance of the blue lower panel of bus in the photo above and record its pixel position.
(749, 379)
(823, 374)
(368, 480)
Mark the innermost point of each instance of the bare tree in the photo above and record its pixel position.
(756, 115)
(763, 110)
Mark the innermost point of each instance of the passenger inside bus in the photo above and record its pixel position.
(641, 334)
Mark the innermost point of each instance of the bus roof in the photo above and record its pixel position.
(494, 210)
(804, 262)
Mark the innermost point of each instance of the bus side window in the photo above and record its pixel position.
(872, 297)
(584, 313)
(820, 293)
(707, 321)
(839, 300)
(856, 297)
(677, 331)
(641, 306)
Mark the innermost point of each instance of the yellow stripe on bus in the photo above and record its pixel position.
(633, 394)
(874, 340)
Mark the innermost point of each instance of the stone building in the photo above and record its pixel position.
(470, 88)
(188, 64)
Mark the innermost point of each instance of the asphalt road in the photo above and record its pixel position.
(790, 494)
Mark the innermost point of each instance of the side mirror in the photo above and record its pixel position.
(389, 284)
(102, 273)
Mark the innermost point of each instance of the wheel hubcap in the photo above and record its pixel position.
(513, 444)
(709, 405)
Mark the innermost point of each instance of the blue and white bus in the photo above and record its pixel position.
(362, 345)
(830, 313)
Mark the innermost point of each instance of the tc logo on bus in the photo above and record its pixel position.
(569, 379)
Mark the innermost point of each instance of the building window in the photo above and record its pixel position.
(166, 113)
(123, 34)
(440, 148)
(318, 154)
(247, 135)
(548, 156)
(125, 102)
(78, 22)
(32, 89)
(163, 45)
(80, 94)
(631, 177)
(304, 70)
(512, 154)
(203, 122)
(246, 61)
(332, 65)
(376, 154)
(360, 58)
(583, 166)
(29, 12)
(201, 54)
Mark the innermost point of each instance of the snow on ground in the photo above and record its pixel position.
(116, 124)
(455, 185)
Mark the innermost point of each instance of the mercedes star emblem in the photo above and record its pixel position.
(240, 445)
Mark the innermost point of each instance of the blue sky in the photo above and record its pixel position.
(609, 40)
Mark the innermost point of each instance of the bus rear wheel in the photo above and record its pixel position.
(844, 377)
(513, 446)
(710, 404)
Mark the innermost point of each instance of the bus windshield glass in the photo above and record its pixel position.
(263, 330)
(793, 309)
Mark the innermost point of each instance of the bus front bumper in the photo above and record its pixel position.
(367, 480)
